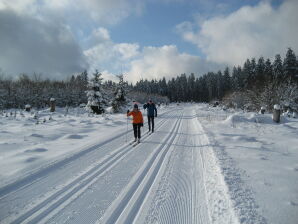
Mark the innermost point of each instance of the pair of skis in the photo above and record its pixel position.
(135, 143)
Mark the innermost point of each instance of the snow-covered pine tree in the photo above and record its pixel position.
(94, 94)
(277, 69)
(119, 101)
(290, 66)
(260, 70)
(268, 72)
(219, 85)
(226, 80)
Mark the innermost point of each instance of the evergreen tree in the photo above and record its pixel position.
(219, 85)
(226, 80)
(250, 73)
(246, 72)
(119, 101)
(277, 69)
(260, 73)
(290, 66)
(238, 78)
(191, 87)
(94, 94)
(268, 72)
(163, 87)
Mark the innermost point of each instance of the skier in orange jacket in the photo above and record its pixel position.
(137, 122)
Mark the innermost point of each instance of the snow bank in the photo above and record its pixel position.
(259, 161)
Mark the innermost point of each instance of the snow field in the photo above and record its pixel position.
(258, 159)
(202, 165)
(66, 190)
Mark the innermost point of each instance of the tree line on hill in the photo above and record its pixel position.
(257, 83)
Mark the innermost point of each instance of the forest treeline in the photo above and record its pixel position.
(259, 82)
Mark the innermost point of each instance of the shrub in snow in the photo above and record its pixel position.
(119, 102)
(262, 111)
(82, 105)
(95, 97)
(35, 116)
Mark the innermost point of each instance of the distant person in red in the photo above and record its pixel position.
(151, 113)
(137, 122)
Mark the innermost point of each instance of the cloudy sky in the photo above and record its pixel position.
(142, 39)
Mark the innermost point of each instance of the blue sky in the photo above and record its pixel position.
(143, 39)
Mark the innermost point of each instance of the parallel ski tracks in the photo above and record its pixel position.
(66, 192)
(35, 176)
(126, 207)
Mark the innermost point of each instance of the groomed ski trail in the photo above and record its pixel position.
(33, 211)
(172, 188)
(171, 177)
(128, 203)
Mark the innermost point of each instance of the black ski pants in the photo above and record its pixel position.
(151, 123)
(137, 130)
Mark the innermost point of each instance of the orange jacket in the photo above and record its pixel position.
(137, 117)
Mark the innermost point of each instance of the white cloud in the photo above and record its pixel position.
(109, 76)
(147, 63)
(248, 32)
(35, 45)
(18, 5)
(126, 50)
(105, 54)
(47, 42)
(166, 61)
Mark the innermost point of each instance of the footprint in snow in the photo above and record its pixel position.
(36, 150)
(36, 135)
(76, 136)
(263, 158)
(31, 159)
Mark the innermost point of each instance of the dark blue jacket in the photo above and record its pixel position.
(151, 109)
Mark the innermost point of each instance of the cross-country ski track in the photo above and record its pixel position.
(172, 176)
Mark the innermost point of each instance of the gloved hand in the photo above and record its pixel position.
(127, 111)
(142, 124)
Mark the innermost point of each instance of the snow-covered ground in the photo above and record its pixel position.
(202, 165)
(259, 161)
(28, 144)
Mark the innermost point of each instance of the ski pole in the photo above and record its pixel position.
(126, 127)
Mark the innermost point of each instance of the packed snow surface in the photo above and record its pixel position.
(201, 165)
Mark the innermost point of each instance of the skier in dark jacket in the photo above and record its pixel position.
(151, 113)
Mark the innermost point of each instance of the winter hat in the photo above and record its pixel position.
(136, 106)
